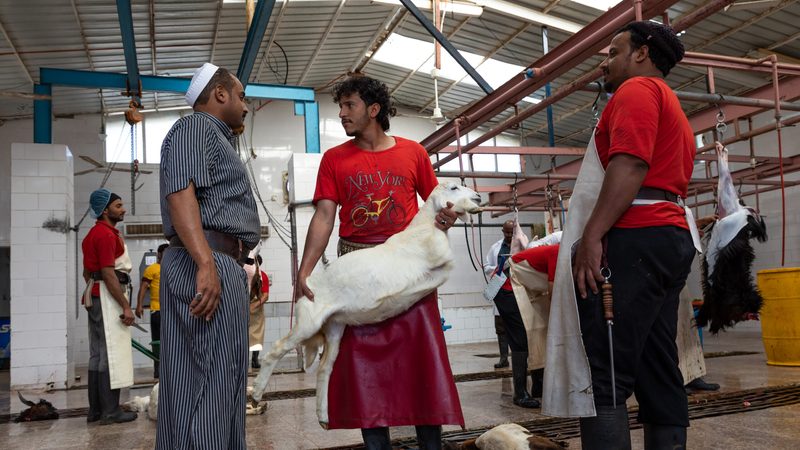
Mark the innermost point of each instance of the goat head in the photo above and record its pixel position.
(43, 410)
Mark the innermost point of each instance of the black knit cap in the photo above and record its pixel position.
(114, 197)
(665, 47)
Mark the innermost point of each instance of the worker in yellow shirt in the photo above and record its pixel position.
(151, 278)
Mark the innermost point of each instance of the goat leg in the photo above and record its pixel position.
(333, 337)
(308, 324)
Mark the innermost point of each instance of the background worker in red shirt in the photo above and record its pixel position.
(396, 372)
(647, 148)
(106, 269)
(256, 325)
(531, 277)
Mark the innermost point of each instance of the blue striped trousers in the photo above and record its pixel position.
(203, 380)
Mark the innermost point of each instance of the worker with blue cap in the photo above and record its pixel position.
(106, 270)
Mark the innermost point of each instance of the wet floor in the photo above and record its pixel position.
(292, 424)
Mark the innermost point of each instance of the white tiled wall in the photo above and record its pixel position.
(42, 301)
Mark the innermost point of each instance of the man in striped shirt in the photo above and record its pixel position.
(211, 220)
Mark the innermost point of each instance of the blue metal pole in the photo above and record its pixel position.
(109, 80)
(254, 37)
(551, 138)
(310, 111)
(129, 46)
(412, 8)
(43, 115)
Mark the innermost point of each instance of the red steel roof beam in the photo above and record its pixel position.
(576, 49)
(752, 133)
(486, 150)
(691, 19)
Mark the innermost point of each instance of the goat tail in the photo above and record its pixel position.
(311, 348)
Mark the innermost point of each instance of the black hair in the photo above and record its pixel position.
(260, 261)
(665, 49)
(222, 77)
(162, 247)
(112, 198)
(371, 91)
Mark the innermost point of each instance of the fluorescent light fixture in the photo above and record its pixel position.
(602, 5)
(466, 9)
(512, 9)
(416, 54)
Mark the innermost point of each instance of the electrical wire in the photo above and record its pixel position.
(282, 232)
(285, 61)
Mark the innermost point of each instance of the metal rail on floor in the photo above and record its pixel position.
(700, 406)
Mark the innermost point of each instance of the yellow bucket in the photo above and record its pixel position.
(780, 315)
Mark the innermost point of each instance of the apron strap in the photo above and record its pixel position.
(687, 213)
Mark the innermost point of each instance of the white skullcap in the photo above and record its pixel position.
(200, 79)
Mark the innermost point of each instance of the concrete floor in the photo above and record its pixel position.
(292, 424)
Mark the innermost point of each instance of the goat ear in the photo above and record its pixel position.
(23, 400)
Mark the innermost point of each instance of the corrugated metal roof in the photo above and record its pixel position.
(174, 37)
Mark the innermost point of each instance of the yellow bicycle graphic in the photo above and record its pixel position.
(363, 212)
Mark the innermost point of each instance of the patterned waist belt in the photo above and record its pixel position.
(344, 246)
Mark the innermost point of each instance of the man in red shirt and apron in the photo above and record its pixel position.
(106, 270)
(627, 210)
(396, 372)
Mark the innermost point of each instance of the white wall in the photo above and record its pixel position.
(41, 304)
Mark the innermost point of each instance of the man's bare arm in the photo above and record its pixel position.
(140, 298)
(624, 176)
(319, 233)
(185, 214)
(115, 289)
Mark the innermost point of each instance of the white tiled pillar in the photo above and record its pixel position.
(42, 264)
(303, 168)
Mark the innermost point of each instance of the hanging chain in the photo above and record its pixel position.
(595, 105)
(514, 193)
(133, 169)
(721, 125)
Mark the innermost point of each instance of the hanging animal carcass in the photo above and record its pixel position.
(370, 286)
(729, 293)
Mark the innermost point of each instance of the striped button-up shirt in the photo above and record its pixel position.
(200, 148)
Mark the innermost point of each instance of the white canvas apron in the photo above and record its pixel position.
(690, 353)
(118, 335)
(567, 377)
(531, 290)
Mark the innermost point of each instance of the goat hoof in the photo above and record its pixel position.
(324, 425)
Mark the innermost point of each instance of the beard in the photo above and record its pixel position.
(609, 86)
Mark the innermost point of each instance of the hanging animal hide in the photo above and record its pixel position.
(729, 294)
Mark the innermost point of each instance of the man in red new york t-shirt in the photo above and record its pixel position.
(646, 146)
(396, 372)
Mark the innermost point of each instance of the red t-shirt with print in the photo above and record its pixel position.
(644, 119)
(377, 191)
(101, 248)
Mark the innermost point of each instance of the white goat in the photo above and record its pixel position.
(370, 286)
